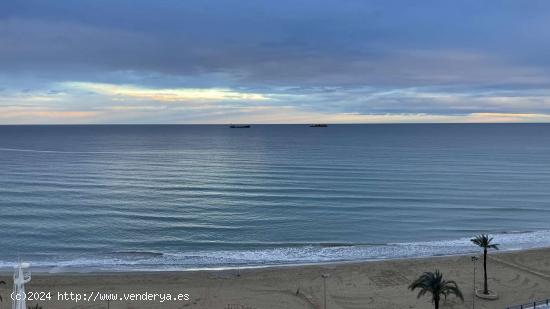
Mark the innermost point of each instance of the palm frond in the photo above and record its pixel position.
(484, 241)
(434, 283)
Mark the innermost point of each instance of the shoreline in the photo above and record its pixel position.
(84, 270)
(518, 277)
(297, 256)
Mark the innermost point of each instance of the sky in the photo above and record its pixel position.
(284, 61)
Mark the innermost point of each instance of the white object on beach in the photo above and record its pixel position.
(21, 275)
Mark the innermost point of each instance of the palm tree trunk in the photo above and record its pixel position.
(436, 303)
(485, 288)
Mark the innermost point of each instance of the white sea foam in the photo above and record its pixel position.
(222, 259)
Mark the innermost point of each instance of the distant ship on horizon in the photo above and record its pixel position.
(318, 125)
(239, 126)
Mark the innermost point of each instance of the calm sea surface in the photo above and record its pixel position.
(174, 197)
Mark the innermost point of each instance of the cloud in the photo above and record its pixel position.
(134, 108)
(277, 115)
(293, 61)
(165, 95)
(18, 115)
(321, 43)
(107, 103)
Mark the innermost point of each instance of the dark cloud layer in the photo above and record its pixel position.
(283, 42)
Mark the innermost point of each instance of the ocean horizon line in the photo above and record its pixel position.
(275, 124)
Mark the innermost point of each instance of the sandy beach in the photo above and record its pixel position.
(518, 277)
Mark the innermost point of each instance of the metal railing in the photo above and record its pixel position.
(538, 304)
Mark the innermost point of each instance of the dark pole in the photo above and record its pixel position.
(325, 276)
(485, 288)
(474, 260)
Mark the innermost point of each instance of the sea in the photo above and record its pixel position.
(186, 197)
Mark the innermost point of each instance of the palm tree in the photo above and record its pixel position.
(484, 242)
(436, 285)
